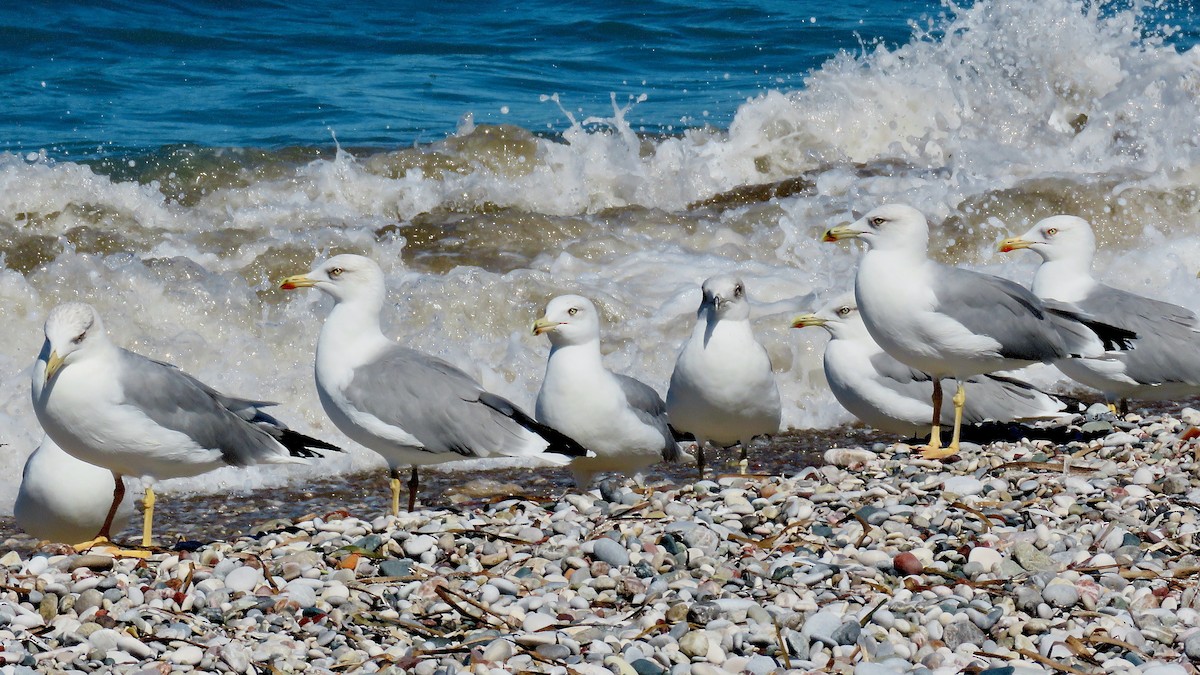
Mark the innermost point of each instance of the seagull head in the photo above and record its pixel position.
(71, 328)
(725, 298)
(1057, 238)
(889, 227)
(345, 277)
(839, 316)
(569, 320)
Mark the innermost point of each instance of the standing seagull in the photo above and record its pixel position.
(888, 395)
(723, 388)
(408, 406)
(113, 408)
(65, 500)
(951, 322)
(1166, 362)
(620, 419)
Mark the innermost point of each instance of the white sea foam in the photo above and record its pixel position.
(981, 128)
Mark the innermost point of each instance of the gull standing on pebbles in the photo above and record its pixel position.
(723, 388)
(620, 419)
(893, 397)
(135, 416)
(1165, 363)
(65, 500)
(408, 406)
(952, 322)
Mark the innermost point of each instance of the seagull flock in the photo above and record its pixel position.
(909, 324)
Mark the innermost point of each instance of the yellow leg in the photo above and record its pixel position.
(147, 516)
(960, 398)
(395, 481)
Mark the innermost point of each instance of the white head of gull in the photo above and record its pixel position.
(886, 394)
(623, 421)
(723, 388)
(410, 407)
(952, 322)
(1165, 363)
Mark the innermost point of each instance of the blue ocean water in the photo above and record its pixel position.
(93, 77)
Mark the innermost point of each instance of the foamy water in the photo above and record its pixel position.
(1009, 113)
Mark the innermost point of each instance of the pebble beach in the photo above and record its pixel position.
(1014, 557)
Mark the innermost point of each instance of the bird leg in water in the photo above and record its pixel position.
(412, 490)
(147, 515)
(960, 399)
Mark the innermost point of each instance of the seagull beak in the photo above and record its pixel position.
(297, 281)
(840, 232)
(53, 365)
(1014, 244)
(543, 325)
(806, 320)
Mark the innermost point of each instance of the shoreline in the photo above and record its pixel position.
(876, 564)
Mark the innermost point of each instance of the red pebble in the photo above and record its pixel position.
(907, 563)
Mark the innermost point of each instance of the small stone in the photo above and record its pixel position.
(97, 563)
(243, 579)
(553, 652)
(394, 567)
(959, 633)
(694, 643)
(610, 552)
(498, 651)
(415, 546)
(186, 655)
(964, 486)
(647, 667)
(1191, 646)
(988, 558)
(703, 613)
(87, 600)
(1061, 594)
(847, 633)
(1033, 559)
(907, 563)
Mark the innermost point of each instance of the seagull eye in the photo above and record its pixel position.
(1051, 232)
(877, 221)
(79, 338)
(737, 291)
(573, 311)
(843, 311)
(335, 272)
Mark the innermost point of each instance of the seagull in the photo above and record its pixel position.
(890, 396)
(136, 416)
(410, 407)
(723, 388)
(1166, 361)
(952, 322)
(63, 499)
(623, 421)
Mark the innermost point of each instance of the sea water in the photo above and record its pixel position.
(171, 162)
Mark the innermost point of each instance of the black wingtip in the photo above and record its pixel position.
(559, 443)
(300, 445)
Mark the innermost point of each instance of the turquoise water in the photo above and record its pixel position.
(170, 163)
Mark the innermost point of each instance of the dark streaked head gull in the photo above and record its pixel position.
(132, 415)
(723, 389)
(64, 499)
(623, 421)
(410, 407)
(952, 322)
(1165, 362)
(888, 395)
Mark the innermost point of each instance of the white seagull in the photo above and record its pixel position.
(64, 499)
(621, 420)
(952, 322)
(135, 416)
(888, 395)
(723, 389)
(1165, 361)
(412, 408)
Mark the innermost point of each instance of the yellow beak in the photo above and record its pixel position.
(53, 365)
(840, 232)
(806, 320)
(1014, 244)
(543, 324)
(297, 281)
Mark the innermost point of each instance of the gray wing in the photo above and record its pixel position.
(177, 401)
(651, 409)
(435, 402)
(1000, 309)
(888, 367)
(1167, 348)
(1001, 398)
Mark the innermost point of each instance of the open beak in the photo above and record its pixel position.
(840, 232)
(1014, 244)
(296, 281)
(806, 320)
(543, 325)
(53, 365)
